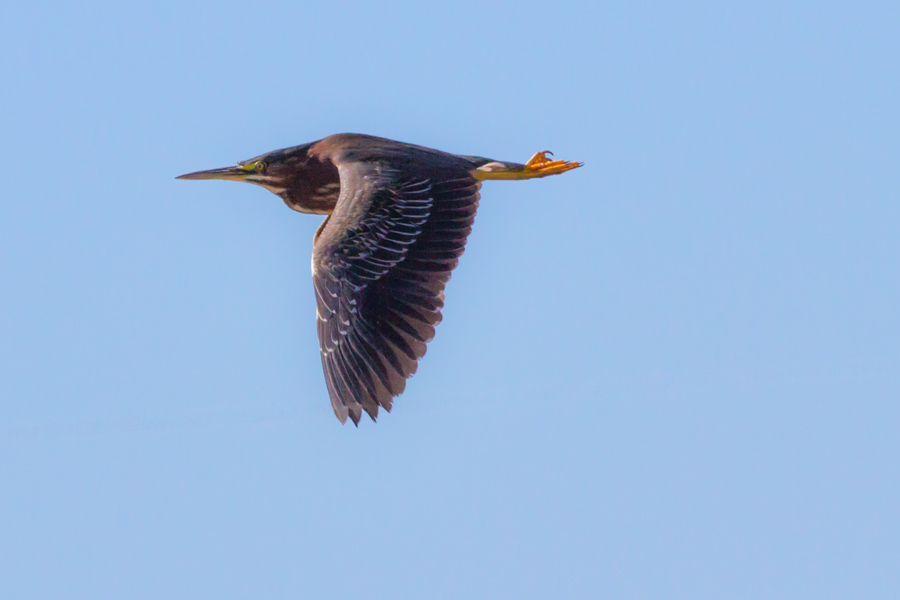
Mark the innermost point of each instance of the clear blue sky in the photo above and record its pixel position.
(673, 373)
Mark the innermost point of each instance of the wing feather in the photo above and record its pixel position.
(380, 265)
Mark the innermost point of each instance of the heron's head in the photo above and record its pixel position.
(305, 183)
(275, 171)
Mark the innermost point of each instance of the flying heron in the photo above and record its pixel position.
(397, 220)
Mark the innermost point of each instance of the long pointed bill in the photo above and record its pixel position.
(229, 173)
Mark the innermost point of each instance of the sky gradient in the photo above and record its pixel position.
(673, 373)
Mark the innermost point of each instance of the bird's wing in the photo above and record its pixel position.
(380, 264)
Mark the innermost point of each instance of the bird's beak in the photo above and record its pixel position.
(231, 173)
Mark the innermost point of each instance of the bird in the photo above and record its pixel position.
(397, 216)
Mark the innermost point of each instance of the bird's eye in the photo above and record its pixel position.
(260, 166)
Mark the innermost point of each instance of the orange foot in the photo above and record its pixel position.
(541, 166)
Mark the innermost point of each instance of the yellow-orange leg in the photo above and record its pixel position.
(537, 166)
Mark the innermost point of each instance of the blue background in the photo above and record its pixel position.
(673, 373)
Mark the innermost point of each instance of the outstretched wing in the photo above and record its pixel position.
(380, 264)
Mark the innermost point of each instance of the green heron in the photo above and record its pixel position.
(397, 220)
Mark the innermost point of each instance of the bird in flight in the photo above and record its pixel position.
(397, 220)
